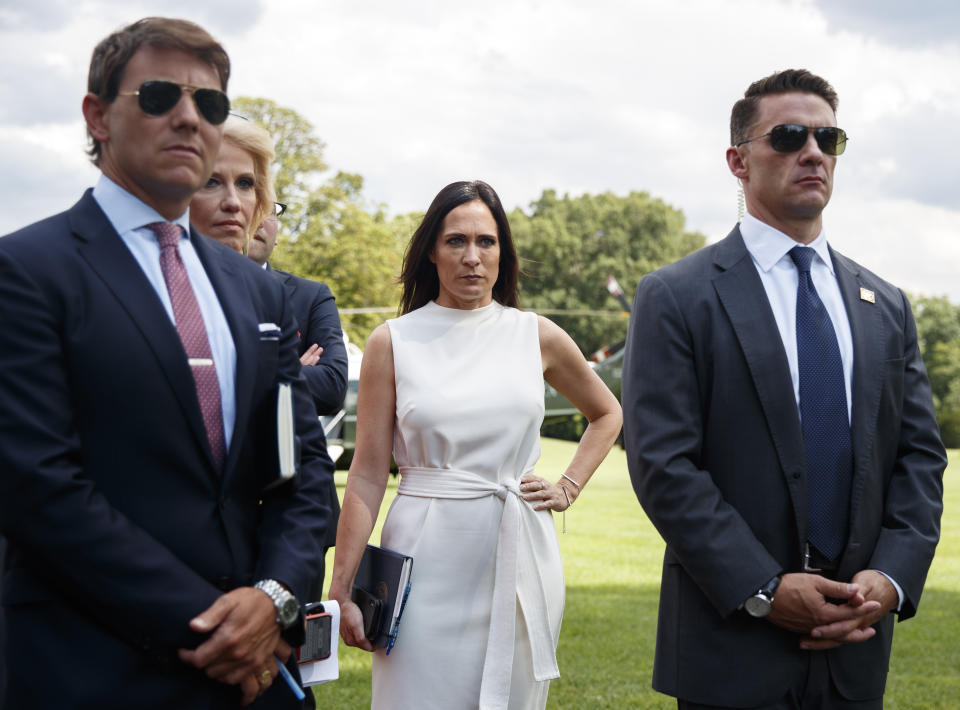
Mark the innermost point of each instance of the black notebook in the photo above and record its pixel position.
(380, 589)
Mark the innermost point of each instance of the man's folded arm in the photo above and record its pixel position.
(327, 380)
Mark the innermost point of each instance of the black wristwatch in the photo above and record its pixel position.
(286, 605)
(758, 606)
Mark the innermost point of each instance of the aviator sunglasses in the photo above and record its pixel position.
(157, 97)
(791, 137)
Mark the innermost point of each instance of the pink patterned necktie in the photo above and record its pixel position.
(193, 335)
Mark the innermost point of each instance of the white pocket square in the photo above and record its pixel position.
(269, 331)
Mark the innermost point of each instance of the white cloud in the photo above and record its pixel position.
(909, 244)
(918, 24)
(580, 97)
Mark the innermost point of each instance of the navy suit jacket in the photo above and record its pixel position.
(315, 309)
(316, 312)
(120, 529)
(716, 457)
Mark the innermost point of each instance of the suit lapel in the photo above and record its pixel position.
(866, 327)
(290, 285)
(109, 258)
(288, 281)
(745, 301)
(241, 316)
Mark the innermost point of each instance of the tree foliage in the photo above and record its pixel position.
(569, 246)
(299, 163)
(938, 332)
(352, 248)
(329, 233)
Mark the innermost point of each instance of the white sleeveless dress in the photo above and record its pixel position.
(481, 624)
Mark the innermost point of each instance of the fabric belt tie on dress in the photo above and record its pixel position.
(517, 576)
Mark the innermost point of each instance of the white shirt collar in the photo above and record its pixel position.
(127, 212)
(768, 245)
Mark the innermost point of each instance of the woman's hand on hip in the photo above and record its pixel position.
(544, 495)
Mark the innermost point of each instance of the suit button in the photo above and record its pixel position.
(796, 475)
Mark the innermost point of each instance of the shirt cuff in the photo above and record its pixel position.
(895, 586)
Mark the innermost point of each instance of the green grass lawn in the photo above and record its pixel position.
(611, 557)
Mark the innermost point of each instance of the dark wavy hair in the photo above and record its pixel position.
(419, 274)
(111, 56)
(782, 82)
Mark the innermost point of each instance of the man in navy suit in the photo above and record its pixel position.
(321, 348)
(153, 561)
(781, 436)
(322, 351)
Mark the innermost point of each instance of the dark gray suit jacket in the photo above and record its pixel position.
(716, 457)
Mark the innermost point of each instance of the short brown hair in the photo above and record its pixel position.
(745, 110)
(257, 143)
(111, 56)
(419, 275)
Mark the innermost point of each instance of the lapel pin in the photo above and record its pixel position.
(867, 295)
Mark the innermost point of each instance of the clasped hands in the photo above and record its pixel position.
(801, 605)
(244, 638)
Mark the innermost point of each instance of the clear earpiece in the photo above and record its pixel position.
(741, 206)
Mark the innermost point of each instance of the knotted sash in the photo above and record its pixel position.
(518, 577)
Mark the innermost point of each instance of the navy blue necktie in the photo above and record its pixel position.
(823, 415)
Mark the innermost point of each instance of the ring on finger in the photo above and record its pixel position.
(543, 485)
(265, 678)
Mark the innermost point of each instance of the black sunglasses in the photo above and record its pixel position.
(791, 137)
(158, 97)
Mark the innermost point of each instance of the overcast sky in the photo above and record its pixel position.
(566, 94)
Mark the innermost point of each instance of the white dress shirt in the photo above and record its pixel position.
(129, 216)
(769, 248)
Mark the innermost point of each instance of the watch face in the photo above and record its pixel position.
(757, 606)
(289, 611)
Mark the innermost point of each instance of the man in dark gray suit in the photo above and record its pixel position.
(3, 632)
(781, 436)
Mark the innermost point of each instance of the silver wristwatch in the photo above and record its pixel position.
(758, 606)
(287, 606)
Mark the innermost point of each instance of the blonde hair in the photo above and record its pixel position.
(253, 139)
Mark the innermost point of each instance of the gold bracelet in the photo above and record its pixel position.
(571, 480)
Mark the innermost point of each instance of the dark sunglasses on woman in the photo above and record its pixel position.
(157, 97)
(791, 137)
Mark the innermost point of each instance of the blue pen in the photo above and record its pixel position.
(291, 681)
(396, 624)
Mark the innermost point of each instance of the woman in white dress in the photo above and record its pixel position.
(454, 388)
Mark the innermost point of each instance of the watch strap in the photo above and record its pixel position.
(770, 588)
(280, 597)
